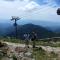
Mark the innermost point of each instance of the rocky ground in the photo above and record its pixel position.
(21, 52)
(16, 51)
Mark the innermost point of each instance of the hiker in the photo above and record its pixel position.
(26, 39)
(33, 38)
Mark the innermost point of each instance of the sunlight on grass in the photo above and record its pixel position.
(40, 54)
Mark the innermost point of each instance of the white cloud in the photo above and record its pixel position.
(9, 0)
(31, 6)
(28, 9)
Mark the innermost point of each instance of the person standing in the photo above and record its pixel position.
(26, 39)
(34, 37)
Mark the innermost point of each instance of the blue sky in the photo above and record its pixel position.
(44, 10)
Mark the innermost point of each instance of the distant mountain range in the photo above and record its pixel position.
(41, 32)
(43, 29)
(47, 24)
(53, 26)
